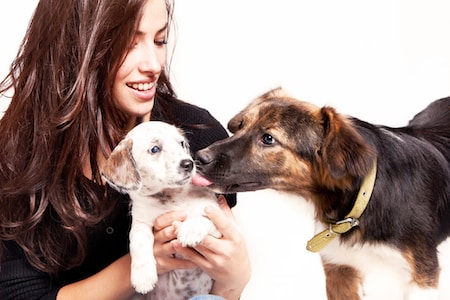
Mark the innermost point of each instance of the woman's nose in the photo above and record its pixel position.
(151, 60)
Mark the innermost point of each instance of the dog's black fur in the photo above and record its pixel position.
(284, 144)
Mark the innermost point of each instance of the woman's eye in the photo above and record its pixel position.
(161, 39)
(155, 149)
(267, 139)
(161, 42)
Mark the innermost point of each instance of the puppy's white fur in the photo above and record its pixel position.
(153, 165)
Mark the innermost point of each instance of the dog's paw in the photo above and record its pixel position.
(192, 231)
(143, 277)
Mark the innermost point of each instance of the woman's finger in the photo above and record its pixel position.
(165, 234)
(167, 264)
(222, 218)
(193, 255)
(168, 218)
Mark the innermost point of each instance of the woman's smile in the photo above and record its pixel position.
(144, 91)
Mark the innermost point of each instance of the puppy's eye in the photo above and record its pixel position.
(183, 144)
(267, 139)
(154, 149)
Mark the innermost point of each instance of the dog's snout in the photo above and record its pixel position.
(203, 157)
(187, 165)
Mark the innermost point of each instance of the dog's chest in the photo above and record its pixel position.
(364, 257)
(380, 266)
(181, 285)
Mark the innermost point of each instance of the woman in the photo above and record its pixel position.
(86, 73)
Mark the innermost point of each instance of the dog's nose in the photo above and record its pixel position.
(203, 157)
(187, 165)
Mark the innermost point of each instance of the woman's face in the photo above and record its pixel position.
(135, 82)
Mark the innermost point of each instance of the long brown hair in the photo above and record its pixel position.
(61, 114)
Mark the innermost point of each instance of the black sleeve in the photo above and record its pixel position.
(19, 280)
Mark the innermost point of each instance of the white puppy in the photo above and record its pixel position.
(153, 165)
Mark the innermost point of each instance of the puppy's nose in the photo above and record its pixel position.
(187, 165)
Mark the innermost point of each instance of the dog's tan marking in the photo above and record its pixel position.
(423, 272)
(121, 167)
(342, 282)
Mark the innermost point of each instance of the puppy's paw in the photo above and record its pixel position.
(192, 231)
(143, 276)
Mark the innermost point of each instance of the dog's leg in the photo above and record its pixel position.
(342, 282)
(425, 272)
(424, 266)
(143, 264)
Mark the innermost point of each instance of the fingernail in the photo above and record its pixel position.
(182, 215)
(176, 226)
(221, 199)
(176, 245)
(209, 209)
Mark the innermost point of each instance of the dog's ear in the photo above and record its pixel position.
(236, 123)
(239, 120)
(344, 151)
(120, 169)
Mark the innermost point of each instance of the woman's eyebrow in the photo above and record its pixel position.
(164, 28)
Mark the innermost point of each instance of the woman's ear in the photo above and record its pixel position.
(120, 169)
(344, 151)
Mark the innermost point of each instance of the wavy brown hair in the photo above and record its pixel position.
(60, 116)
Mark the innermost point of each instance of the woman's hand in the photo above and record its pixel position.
(225, 259)
(163, 248)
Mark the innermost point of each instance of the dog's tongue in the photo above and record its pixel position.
(200, 180)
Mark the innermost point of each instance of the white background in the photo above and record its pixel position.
(381, 61)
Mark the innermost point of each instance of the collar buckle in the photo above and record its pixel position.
(341, 226)
(353, 221)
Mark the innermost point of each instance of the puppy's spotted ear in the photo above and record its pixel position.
(344, 151)
(120, 169)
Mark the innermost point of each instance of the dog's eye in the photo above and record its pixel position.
(155, 149)
(182, 143)
(267, 139)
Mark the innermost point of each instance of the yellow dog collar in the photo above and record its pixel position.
(322, 239)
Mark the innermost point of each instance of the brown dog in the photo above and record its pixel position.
(382, 195)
